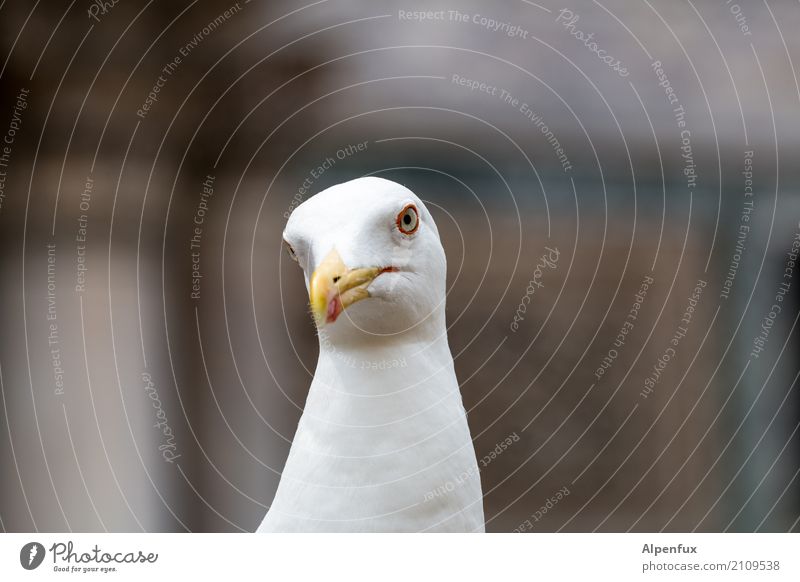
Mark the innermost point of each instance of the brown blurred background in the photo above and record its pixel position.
(262, 94)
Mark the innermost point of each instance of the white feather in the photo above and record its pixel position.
(383, 443)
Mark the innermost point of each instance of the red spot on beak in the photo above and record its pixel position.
(334, 309)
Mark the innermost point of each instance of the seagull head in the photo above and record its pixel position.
(372, 258)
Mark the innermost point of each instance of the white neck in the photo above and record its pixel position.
(383, 426)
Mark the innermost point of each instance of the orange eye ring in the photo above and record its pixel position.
(408, 220)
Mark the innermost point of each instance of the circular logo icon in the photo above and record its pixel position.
(31, 555)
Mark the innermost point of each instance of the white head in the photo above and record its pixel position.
(372, 259)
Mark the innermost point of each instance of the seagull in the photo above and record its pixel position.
(383, 444)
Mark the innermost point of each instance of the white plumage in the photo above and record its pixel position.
(383, 442)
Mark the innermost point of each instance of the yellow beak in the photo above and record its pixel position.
(334, 287)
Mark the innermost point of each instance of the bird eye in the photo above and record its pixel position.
(408, 220)
(290, 251)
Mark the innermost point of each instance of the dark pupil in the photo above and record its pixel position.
(407, 219)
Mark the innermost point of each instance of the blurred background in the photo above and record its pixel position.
(156, 348)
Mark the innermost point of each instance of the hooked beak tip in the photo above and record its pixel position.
(334, 287)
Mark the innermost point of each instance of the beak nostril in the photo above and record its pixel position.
(336, 279)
